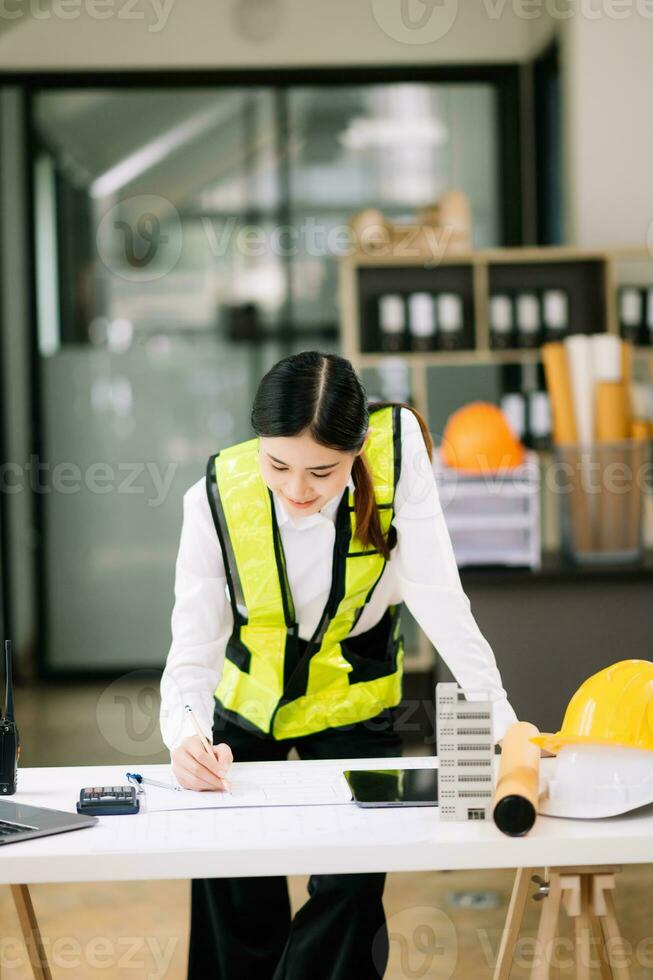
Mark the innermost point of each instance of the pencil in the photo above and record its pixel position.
(205, 742)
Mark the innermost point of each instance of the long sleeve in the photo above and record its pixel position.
(429, 581)
(202, 621)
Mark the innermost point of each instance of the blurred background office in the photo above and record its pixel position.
(177, 181)
(176, 187)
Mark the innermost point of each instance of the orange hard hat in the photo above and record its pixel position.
(478, 439)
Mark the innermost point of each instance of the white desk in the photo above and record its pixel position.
(296, 840)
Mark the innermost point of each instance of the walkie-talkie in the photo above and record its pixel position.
(9, 741)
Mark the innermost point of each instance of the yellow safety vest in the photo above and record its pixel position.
(265, 685)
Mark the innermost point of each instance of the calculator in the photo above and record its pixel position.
(108, 800)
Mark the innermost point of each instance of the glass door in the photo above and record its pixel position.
(152, 302)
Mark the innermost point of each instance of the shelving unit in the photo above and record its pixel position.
(591, 278)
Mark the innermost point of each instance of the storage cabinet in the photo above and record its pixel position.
(590, 279)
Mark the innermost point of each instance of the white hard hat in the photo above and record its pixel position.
(591, 780)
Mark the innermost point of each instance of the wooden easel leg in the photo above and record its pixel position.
(513, 923)
(587, 892)
(601, 952)
(547, 931)
(583, 933)
(602, 901)
(31, 933)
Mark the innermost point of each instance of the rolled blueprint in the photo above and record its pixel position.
(559, 387)
(612, 411)
(514, 806)
(581, 373)
(607, 357)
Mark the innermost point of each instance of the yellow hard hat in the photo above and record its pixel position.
(612, 707)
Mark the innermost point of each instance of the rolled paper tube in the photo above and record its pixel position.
(634, 500)
(612, 428)
(581, 373)
(565, 433)
(626, 361)
(559, 387)
(627, 374)
(607, 357)
(517, 792)
(641, 400)
(640, 430)
(612, 411)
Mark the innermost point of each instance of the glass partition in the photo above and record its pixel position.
(185, 239)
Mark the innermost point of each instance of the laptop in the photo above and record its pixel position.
(20, 822)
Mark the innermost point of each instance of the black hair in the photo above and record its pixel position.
(322, 394)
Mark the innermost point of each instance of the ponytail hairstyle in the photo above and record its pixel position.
(322, 394)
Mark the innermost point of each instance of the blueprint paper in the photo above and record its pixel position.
(258, 786)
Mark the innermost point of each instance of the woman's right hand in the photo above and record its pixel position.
(195, 769)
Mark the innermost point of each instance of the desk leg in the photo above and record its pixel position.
(511, 929)
(31, 932)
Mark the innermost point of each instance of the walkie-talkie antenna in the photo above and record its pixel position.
(9, 690)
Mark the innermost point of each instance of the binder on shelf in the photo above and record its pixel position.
(501, 322)
(451, 321)
(555, 314)
(527, 319)
(422, 323)
(392, 322)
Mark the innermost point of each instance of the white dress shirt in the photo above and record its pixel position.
(421, 572)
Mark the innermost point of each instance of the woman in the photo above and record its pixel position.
(295, 555)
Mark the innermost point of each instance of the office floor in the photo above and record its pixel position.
(442, 925)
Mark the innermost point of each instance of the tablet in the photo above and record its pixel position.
(393, 787)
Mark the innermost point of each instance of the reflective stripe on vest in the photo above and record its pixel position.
(264, 683)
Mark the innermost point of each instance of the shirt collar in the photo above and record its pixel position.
(328, 511)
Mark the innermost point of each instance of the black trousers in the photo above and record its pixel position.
(241, 928)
